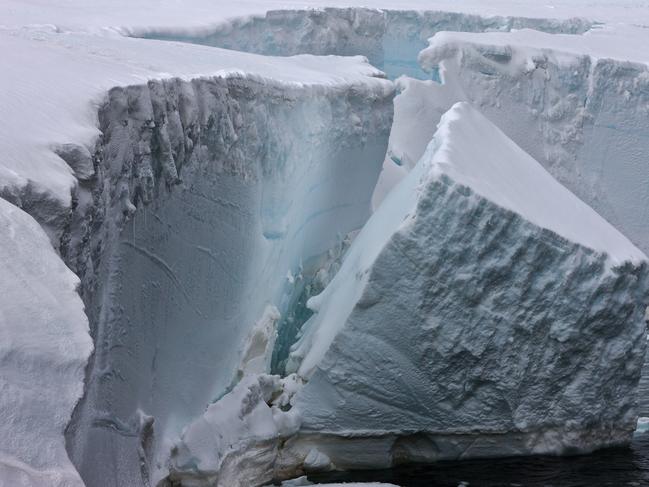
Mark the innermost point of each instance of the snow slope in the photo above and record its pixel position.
(44, 345)
(467, 320)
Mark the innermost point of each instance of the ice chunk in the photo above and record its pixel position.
(235, 442)
(483, 310)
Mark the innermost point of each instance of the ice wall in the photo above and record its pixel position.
(583, 116)
(483, 310)
(207, 194)
(390, 39)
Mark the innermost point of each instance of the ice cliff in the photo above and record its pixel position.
(207, 194)
(391, 39)
(578, 104)
(483, 310)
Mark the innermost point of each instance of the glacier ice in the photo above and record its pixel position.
(391, 39)
(483, 310)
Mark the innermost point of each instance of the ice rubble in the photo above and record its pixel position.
(43, 351)
(483, 310)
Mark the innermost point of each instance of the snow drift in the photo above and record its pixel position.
(483, 310)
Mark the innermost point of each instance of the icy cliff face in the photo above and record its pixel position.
(391, 39)
(483, 310)
(578, 104)
(39, 346)
(207, 194)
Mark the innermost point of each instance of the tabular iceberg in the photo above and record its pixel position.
(483, 310)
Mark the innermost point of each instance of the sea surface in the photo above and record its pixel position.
(619, 467)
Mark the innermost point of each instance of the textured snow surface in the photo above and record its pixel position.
(457, 327)
(44, 345)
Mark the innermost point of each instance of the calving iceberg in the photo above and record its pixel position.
(483, 310)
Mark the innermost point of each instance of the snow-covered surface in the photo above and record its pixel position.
(44, 345)
(525, 187)
(59, 59)
(426, 343)
(622, 42)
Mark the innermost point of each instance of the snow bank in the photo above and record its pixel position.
(468, 321)
(578, 104)
(44, 345)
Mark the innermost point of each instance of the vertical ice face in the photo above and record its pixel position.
(208, 194)
(44, 345)
(483, 310)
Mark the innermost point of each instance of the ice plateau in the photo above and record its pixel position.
(483, 310)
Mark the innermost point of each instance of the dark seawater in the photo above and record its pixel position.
(618, 467)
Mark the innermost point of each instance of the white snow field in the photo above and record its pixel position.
(204, 171)
(478, 289)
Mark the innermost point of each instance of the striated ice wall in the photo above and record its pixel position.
(204, 196)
